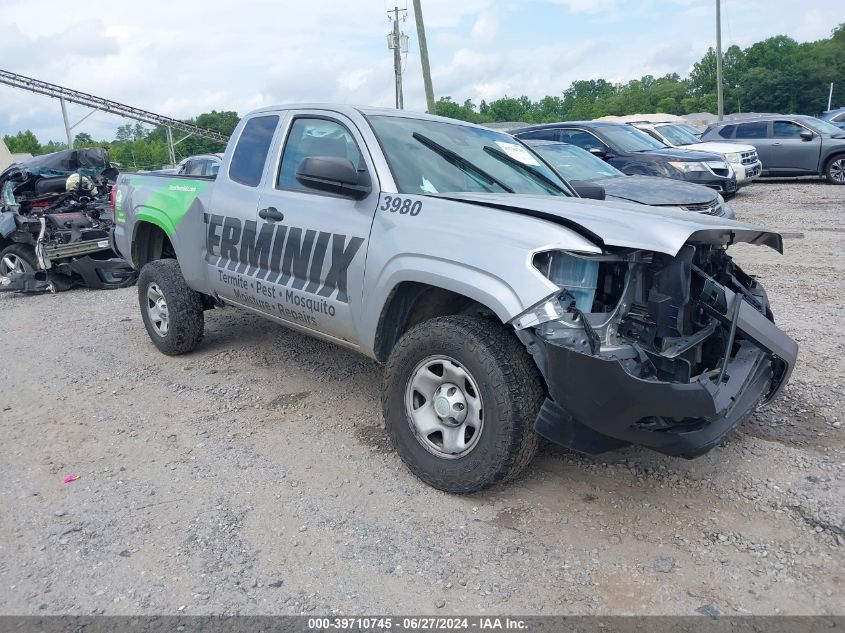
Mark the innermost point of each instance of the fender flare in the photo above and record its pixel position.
(474, 283)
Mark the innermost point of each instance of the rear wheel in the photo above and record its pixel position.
(460, 398)
(835, 170)
(171, 311)
(18, 258)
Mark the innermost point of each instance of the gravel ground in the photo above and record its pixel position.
(254, 476)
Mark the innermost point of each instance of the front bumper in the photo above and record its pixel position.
(596, 405)
(721, 184)
(746, 174)
(103, 274)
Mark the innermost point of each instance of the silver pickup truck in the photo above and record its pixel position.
(503, 305)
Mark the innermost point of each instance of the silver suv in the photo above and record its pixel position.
(789, 145)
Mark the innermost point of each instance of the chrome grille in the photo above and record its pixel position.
(707, 208)
(749, 158)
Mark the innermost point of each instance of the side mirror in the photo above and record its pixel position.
(334, 175)
(599, 152)
(588, 190)
(807, 135)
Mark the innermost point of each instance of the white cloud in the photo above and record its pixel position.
(588, 6)
(486, 27)
(183, 58)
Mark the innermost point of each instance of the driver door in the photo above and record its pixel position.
(794, 153)
(315, 279)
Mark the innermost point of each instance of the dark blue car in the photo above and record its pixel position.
(635, 153)
(837, 117)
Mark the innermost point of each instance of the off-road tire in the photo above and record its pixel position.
(185, 312)
(22, 251)
(512, 392)
(835, 164)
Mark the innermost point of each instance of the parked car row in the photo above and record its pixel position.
(725, 157)
(634, 152)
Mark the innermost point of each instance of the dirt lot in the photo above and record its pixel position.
(254, 476)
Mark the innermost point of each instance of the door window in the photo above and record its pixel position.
(540, 135)
(195, 167)
(314, 137)
(251, 151)
(727, 131)
(752, 130)
(582, 139)
(786, 129)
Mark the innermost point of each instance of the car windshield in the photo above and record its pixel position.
(694, 131)
(628, 139)
(430, 157)
(822, 127)
(574, 163)
(677, 135)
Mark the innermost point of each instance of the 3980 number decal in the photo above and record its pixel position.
(403, 206)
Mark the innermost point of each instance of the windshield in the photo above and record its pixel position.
(430, 157)
(677, 135)
(574, 163)
(692, 130)
(628, 139)
(822, 127)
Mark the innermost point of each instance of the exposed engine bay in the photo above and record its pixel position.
(671, 352)
(55, 219)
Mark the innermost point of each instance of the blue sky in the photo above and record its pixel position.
(206, 55)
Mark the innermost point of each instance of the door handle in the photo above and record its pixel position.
(776, 144)
(271, 214)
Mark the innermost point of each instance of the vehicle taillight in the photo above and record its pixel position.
(113, 199)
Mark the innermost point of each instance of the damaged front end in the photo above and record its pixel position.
(668, 352)
(55, 219)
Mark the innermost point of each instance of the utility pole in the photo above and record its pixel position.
(398, 43)
(830, 97)
(426, 69)
(720, 98)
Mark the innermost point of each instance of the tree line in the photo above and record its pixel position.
(775, 75)
(135, 146)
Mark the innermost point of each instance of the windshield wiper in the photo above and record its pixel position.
(527, 169)
(460, 162)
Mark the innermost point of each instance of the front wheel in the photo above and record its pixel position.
(835, 170)
(17, 258)
(460, 398)
(171, 311)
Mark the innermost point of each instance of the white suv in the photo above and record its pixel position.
(742, 158)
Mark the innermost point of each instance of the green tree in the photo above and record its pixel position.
(23, 143)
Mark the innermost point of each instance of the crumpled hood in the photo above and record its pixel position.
(655, 190)
(624, 224)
